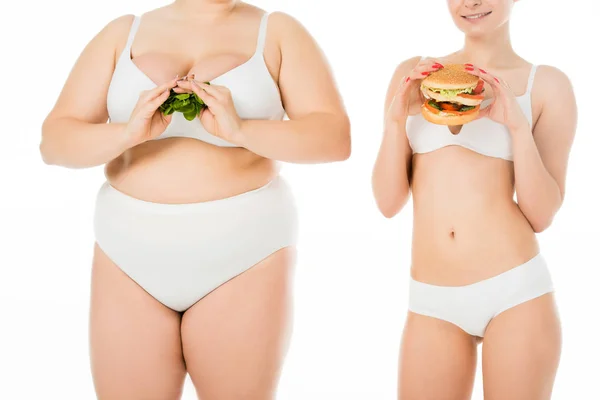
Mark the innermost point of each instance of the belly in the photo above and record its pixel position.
(183, 170)
(467, 226)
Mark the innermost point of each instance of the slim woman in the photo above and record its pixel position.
(195, 229)
(477, 272)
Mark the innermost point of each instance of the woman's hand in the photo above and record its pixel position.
(504, 108)
(219, 118)
(147, 121)
(408, 98)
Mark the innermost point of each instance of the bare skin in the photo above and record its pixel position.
(467, 225)
(249, 316)
(232, 342)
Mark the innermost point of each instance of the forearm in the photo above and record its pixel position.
(316, 138)
(76, 144)
(390, 179)
(538, 194)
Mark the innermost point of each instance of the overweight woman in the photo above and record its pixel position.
(195, 229)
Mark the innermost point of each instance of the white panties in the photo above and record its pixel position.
(179, 253)
(472, 307)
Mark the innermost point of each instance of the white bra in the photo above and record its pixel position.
(482, 136)
(254, 92)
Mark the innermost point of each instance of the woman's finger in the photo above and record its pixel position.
(217, 91)
(206, 97)
(485, 112)
(493, 81)
(422, 71)
(159, 90)
(156, 102)
(179, 89)
(429, 61)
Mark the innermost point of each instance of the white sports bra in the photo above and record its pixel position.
(482, 136)
(254, 92)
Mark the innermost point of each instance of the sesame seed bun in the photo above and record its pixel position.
(452, 76)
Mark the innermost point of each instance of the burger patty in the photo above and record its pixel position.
(446, 105)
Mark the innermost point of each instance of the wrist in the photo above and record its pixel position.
(394, 127)
(521, 128)
(126, 139)
(240, 136)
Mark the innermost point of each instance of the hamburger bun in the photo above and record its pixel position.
(443, 118)
(452, 76)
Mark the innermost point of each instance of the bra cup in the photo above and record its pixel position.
(482, 136)
(254, 93)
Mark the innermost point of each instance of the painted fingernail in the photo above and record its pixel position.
(496, 79)
(437, 65)
(407, 79)
(470, 68)
(425, 73)
(482, 70)
(469, 65)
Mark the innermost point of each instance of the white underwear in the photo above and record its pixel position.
(472, 307)
(179, 253)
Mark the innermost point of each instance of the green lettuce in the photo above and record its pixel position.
(189, 104)
(451, 92)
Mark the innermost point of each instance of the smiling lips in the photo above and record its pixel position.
(476, 16)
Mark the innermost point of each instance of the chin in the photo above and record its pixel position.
(483, 27)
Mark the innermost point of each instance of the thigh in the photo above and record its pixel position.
(135, 340)
(521, 351)
(437, 360)
(235, 338)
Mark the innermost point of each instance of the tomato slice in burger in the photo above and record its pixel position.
(479, 88)
(430, 107)
(450, 106)
(471, 96)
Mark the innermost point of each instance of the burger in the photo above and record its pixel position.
(453, 96)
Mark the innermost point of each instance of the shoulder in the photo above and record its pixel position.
(551, 81)
(403, 69)
(282, 19)
(115, 32)
(119, 26)
(286, 26)
(553, 95)
(407, 65)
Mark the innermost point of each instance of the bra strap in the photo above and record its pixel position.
(531, 77)
(134, 27)
(262, 33)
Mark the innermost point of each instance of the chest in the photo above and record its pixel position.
(483, 135)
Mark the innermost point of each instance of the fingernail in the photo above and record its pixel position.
(438, 65)
(482, 70)
(425, 73)
(407, 79)
(470, 68)
(469, 65)
(496, 79)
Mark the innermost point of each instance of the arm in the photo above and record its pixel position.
(541, 159)
(318, 129)
(390, 179)
(75, 133)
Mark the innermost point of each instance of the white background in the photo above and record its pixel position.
(352, 275)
